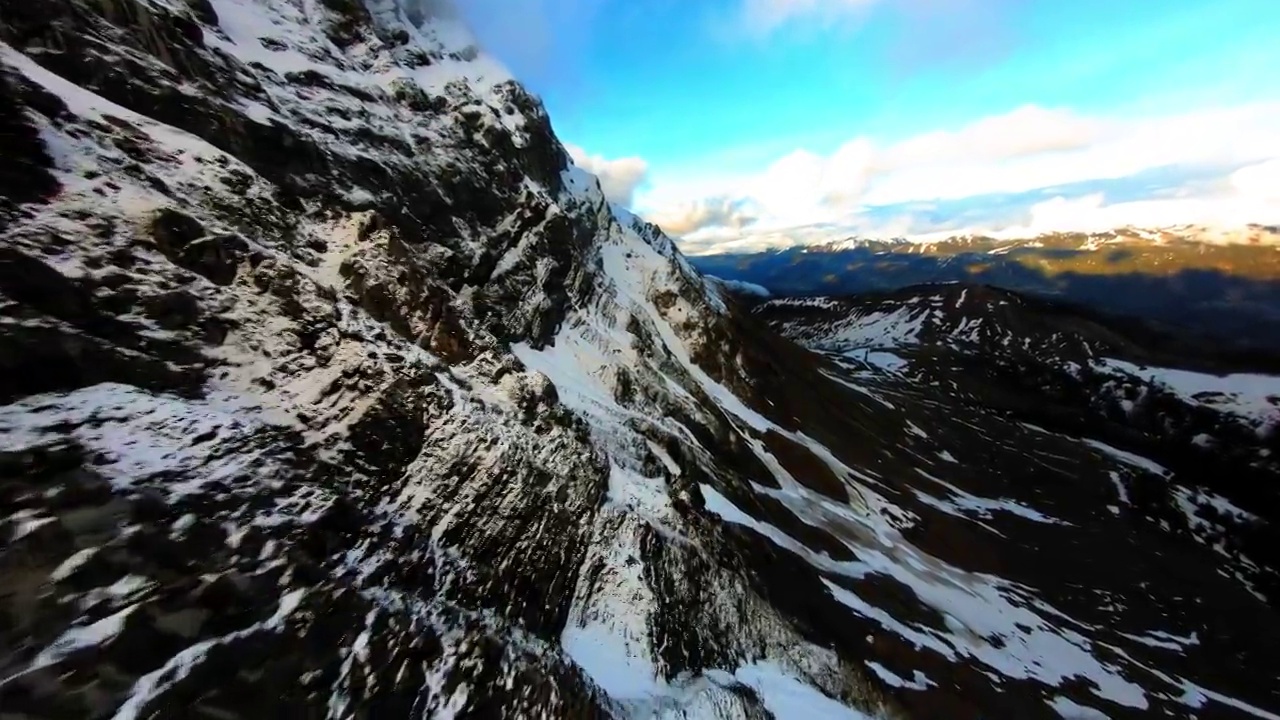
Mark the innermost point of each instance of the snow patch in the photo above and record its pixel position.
(1255, 399)
(138, 434)
(787, 697)
(1127, 458)
(919, 681)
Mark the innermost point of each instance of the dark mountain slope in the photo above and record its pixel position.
(1015, 352)
(332, 389)
(1208, 415)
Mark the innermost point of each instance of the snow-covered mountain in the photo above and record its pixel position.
(331, 388)
(965, 334)
(1206, 421)
(1187, 279)
(1130, 237)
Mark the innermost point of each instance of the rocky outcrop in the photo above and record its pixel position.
(331, 388)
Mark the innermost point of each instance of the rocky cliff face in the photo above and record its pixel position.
(331, 388)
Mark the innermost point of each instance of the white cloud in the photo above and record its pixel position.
(718, 212)
(1092, 213)
(619, 179)
(1102, 148)
(1028, 130)
(920, 185)
(1260, 181)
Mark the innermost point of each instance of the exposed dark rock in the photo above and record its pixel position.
(25, 175)
(37, 286)
(59, 340)
(183, 240)
(805, 467)
(351, 19)
(174, 309)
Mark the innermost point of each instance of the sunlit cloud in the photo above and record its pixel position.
(726, 213)
(1260, 181)
(619, 178)
(1038, 169)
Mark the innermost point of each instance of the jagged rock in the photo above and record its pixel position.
(36, 286)
(352, 18)
(173, 309)
(25, 176)
(183, 240)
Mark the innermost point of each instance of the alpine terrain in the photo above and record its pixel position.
(331, 388)
(1213, 282)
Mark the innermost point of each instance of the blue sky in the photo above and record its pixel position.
(702, 102)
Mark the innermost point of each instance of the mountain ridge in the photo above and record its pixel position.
(1225, 291)
(1244, 234)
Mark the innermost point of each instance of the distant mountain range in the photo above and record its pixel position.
(1225, 285)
